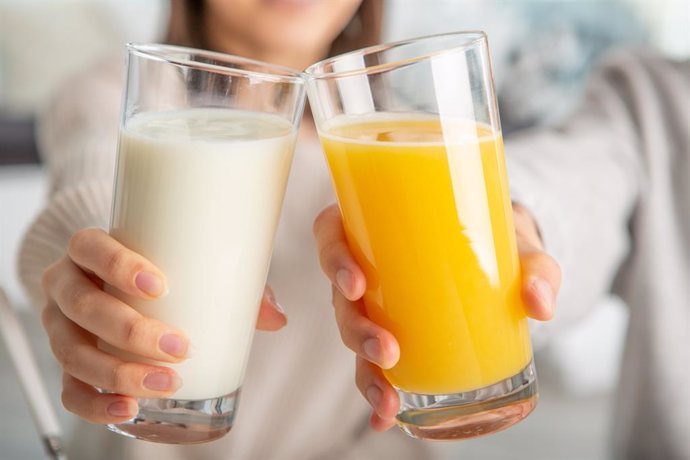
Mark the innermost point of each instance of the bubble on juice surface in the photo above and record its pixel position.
(408, 129)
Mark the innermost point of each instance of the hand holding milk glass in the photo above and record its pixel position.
(205, 148)
(413, 141)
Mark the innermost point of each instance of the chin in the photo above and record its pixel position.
(291, 4)
(302, 38)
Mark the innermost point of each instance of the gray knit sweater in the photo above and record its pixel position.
(611, 192)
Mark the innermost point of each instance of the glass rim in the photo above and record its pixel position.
(473, 37)
(163, 53)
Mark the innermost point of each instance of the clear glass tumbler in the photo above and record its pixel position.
(205, 148)
(412, 138)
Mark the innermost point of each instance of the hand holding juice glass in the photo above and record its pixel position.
(412, 139)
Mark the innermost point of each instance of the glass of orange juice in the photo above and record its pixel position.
(412, 138)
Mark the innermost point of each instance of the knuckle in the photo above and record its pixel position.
(349, 334)
(361, 374)
(328, 216)
(328, 255)
(360, 366)
(65, 356)
(119, 263)
(116, 261)
(318, 223)
(556, 268)
(339, 307)
(48, 277)
(335, 295)
(321, 219)
(47, 317)
(533, 260)
(96, 410)
(66, 400)
(88, 411)
(78, 300)
(119, 379)
(548, 264)
(68, 396)
(79, 239)
(134, 331)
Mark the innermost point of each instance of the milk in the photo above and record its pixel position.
(199, 193)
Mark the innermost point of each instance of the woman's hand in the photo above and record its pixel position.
(79, 312)
(376, 348)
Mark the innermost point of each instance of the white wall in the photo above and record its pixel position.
(42, 42)
(668, 21)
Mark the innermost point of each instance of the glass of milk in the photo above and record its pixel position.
(205, 148)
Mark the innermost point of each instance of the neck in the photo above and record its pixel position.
(226, 42)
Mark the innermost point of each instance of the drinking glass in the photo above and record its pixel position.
(412, 138)
(205, 147)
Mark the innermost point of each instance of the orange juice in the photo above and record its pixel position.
(427, 214)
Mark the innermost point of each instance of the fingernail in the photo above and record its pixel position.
(122, 409)
(544, 292)
(278, 307)
(173, 345)
(374, 396)
(150, 284)
(372, 348)
(161, 381)
(343, 279)
(272, 300)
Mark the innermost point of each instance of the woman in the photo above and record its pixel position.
(298, 400)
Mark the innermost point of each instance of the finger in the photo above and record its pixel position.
(541, 279)
(541, 274)
(77, 353)
(96, 251)
(86, 402)
(111, 319)
(362, 335)
(540, 283)
(380, 424)
(379, 393)
(334, 254)
(271, 314)
(526, 227)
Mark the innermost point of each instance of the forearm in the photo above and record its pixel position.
(581, 183)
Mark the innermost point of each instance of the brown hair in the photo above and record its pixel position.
(186, 26)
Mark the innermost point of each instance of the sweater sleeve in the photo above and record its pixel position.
(583, 181)
(77, 138)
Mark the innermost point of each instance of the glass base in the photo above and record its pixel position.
(179, 421)
(472, 413)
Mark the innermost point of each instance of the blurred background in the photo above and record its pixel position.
(542, 53)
